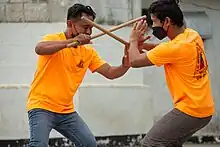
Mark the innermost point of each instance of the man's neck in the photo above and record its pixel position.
(176, 32)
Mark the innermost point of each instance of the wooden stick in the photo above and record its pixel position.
(120, 26)
(105, 31)
(112, 29)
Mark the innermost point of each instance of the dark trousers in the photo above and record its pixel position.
(173, 129)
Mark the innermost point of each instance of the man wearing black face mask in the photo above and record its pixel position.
(59, 73)
(159, 31)
(186, 70)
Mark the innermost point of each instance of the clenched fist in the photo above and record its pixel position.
(83, 39)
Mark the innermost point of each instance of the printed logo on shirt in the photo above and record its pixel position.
(201, 63)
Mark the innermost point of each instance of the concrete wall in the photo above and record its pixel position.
(111, 12)
(138, 99)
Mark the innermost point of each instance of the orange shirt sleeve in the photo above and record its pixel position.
(164, 53)
(96, 61)
(50, 37)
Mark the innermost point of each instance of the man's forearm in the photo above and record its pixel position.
(117, 71)
(133, 51)
(149, 46)
(136, 58)
(50, 47)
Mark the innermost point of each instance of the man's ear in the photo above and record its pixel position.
(167, 21)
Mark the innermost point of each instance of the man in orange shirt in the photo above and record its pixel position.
(186, 71)
(59, 73)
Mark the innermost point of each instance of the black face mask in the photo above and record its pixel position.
(159, 32)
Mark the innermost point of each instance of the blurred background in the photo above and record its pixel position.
(118, 112)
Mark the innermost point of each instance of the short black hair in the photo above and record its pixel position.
(77, 9)
(167, 8)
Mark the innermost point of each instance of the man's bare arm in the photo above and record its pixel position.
(136, 58)
(112, 72)
(51, 47)
(148, 46)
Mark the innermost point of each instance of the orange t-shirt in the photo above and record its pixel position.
(58, 76)
(186, 71)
